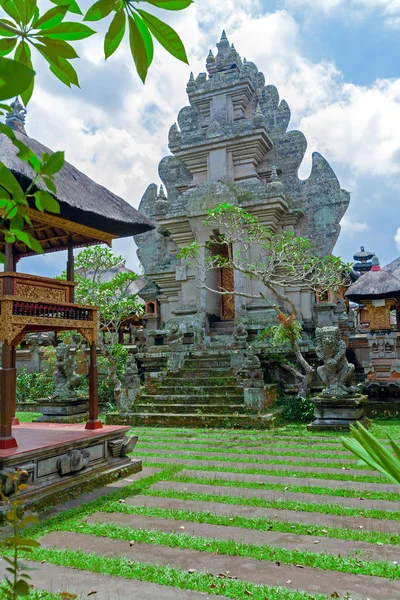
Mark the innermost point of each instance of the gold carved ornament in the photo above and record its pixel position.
(228, 300)
(379, 316)
(35, 293)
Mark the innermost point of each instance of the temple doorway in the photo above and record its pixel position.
(226, 282)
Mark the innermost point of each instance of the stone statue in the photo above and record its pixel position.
(66, 380)
(175, 334)
(240, 333)
(336, 373)
(130, 385)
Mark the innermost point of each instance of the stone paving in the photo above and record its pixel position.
(186, 530)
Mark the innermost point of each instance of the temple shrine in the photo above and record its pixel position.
(57, 456)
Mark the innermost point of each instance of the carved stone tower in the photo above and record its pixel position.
(235, 130)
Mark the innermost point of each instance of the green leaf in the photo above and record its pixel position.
(167, 37)
(32, 243)
(45, 201)
(6, 32)
(21, 588)
(59, 47)
(17, 223)
(59, 65)
(27, 154)
(7, 45)
(170, 4)
(10, 237)
(73, 6)
(138, 49)
(10, 184)
(50, 184)
(53, 164)
(70, 31)
(10, 8)
(31, 8)
(148, 40)
(52, 17)
(115, 33)
(15, 78)
(7, 131)
(99, 10)
(23, 55)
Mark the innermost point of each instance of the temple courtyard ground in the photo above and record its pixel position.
(270, 515)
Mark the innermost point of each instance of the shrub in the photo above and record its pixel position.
(299, 410)
(32, 386)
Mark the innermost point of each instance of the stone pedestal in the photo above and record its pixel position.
(68, 410)
(338, 413)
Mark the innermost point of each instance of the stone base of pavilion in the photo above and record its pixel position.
(62, 461)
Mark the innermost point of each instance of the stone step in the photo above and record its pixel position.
(222, 325)
(207, 363)
(193, 420)
(190, 398)
(311, 580)
(212, 380)
(199, 409)
(184, 387)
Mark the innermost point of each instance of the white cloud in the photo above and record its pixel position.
(350, 227)
(389, 10)
(397, 238)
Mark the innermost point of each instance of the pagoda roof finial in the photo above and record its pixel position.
(15, 118)
(223, 35)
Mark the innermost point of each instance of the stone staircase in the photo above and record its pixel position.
(203, 393)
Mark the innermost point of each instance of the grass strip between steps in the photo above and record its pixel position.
(324, 561)
(279, 504)
(271, 472)
(252, 461)
(300, 489)
(258, 524)
(257, 451)
(165, 575)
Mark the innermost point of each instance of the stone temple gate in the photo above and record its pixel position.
(235, 129)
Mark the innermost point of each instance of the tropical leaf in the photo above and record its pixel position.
(10, 8)
(167, 36)
(148, 41)
(59, 47)
(73, 6)
(138, 49)
(15, 78)
(52, 17)
(23, 55)
(70, 31)
(170, 4)
(115, 33)
(10, 184)
(32, 243)
(99, 10)
(7, 45)
(4, 28)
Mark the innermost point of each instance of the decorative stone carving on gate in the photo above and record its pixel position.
(74, 461)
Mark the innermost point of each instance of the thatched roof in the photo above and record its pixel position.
(82, 201)
(374, 284)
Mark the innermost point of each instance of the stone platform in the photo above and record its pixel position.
(338, 413)
(63, 460)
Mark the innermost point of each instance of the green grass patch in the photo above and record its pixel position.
(306, 489)
(164, 575)
(27, 417)
(277, 472)
(279, 504)
(258, 524)
(327, 562)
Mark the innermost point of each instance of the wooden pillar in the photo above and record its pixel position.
(93, 422)
(14, 420)
(71, 269)
(8, 375)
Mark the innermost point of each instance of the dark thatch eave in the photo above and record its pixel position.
(81, 199)
(374, 284)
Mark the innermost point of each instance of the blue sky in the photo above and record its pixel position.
(334, 61)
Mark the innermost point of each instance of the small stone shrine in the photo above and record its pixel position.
(340, 404)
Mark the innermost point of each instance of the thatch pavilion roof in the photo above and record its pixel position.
(90, 206)
(393, 266)
(374, 284)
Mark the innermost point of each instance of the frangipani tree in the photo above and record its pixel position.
(283, 261)
(114, 298)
